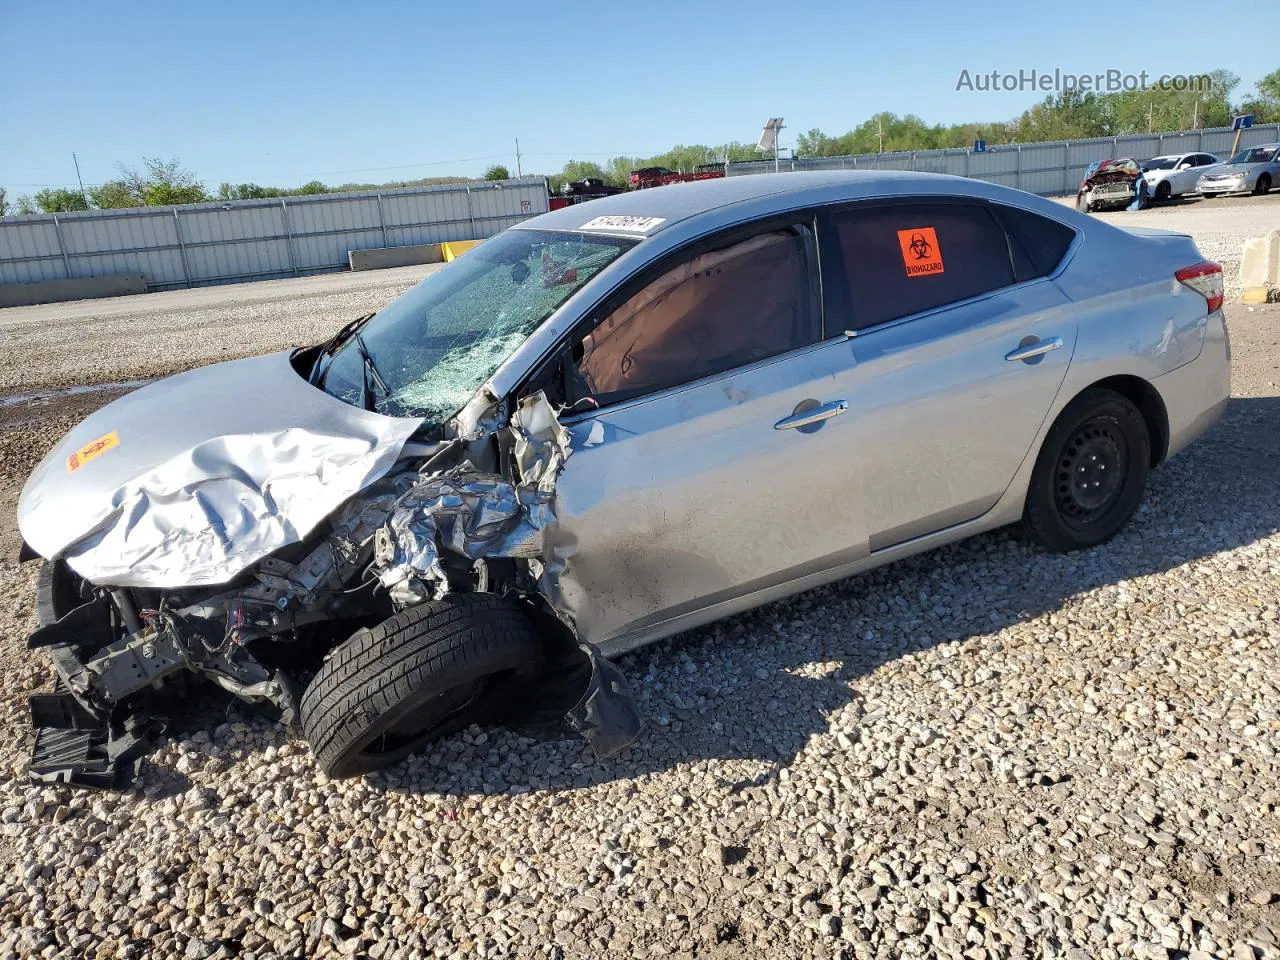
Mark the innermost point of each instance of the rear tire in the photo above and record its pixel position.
(423, 674)
(1089, 477)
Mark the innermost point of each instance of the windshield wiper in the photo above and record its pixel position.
(330, 346)
(370, 370)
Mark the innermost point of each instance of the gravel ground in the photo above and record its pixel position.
(982, 752)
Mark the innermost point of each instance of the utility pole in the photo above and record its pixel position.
(519, 169)
(1195, 114)
(83, 196)
(1150, 120)
(880, 134)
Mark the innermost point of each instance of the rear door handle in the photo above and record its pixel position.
(816, 415)
(1038, 348)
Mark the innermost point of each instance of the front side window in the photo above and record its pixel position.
(716, 311)
(905, 258)
(427, 353)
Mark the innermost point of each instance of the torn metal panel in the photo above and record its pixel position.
(187, 483)
(607, 716)
(473, 513)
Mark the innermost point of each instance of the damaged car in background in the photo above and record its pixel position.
(604, 426)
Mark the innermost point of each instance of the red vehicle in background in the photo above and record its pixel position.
(661, 176)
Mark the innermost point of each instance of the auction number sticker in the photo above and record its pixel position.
(626, 224)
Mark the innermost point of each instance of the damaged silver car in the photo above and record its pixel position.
(607, 425)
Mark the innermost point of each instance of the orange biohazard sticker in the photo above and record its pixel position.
(921, 254)
(91, 450)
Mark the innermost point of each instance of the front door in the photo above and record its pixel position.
(716, 456)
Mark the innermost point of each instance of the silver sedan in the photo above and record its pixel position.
(609, 424)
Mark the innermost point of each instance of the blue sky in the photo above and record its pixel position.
(281, 94)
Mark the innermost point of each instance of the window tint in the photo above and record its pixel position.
(716, 311)
(1203, 160)
(901, 259)
(1038, 243)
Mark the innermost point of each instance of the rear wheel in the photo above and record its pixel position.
(1263, 184)
(1091, 472)
(425, 673)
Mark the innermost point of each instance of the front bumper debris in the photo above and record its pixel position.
(75, 748)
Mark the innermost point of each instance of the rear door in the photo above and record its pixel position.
(714, 452)
(961, 344)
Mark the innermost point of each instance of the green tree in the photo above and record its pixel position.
(113, 195)
(60, 200)
(1265, 105)
(163, 183)
(25, 204)
(497, 172)
(310, 188)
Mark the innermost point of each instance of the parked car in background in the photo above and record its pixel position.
(606, 425)
(1177, 174)
(1110, 186)
(1255, 170)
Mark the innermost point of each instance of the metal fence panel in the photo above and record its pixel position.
(197, 244)
(1044, 168)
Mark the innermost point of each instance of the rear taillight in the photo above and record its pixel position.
(1204, 278)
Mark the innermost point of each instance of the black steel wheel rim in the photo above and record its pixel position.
(1091, 471)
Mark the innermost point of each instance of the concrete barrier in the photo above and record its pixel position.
(1260, 267)
(77, 288)
(456, 248)
(380, 258)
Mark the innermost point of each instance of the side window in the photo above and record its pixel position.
(1038, 243)
(713, 312)
(1203, 160)
(904, 258)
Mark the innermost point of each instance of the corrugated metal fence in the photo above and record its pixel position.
(1044, 168)
(207, 243)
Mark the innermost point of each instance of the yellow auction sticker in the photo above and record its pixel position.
(91, 450)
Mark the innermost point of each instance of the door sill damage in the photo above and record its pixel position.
(466, 514)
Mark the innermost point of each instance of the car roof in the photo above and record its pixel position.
(680, 201)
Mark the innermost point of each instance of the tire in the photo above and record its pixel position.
(1082, 202)
(1163, 191)
(57, 592)
(1072, 503)
(427, 672)
(1263, 185)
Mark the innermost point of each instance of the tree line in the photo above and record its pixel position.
(1069, 115)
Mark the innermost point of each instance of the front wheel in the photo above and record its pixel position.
(425, 673)
(1163, 191)
(1263, 185)
(1082, 202)
(1091, 472)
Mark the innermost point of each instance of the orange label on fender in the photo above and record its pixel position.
(921, 254)
(91, 450)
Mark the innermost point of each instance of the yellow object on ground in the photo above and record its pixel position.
(456, 248)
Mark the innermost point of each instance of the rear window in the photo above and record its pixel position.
(1038, 244)
(906, 258)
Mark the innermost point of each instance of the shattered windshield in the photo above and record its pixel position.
(429, 351)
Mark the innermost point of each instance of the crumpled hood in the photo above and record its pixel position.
(190, 480)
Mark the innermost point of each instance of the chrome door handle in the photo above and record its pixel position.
(1032, 350)
(816, 415)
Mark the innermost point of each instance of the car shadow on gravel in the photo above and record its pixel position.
(757, 687)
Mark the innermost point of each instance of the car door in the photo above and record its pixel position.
(1184, 174)
(961, 344)
(713, 453)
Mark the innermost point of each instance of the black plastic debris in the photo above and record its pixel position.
(74, 748)
(607, 716)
